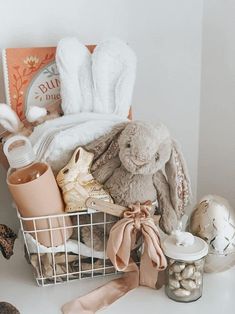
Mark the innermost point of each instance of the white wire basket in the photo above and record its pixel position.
(76, 258)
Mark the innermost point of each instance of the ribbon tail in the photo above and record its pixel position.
(104, 295)
(153, 259)
(148, 273)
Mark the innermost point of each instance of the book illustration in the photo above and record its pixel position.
(44, 89)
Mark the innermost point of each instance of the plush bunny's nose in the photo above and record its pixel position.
(140, 161)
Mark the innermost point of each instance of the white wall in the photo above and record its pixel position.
(217, 129)
(166, 35)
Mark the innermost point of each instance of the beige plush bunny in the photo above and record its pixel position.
(137, 161)
(78, 184)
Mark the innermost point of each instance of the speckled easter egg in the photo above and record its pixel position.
(213, 220)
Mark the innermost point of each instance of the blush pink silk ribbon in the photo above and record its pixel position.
(121, 241)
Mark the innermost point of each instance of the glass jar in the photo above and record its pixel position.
(184, 280)
(184, 273)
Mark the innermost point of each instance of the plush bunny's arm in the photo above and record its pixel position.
(168, 221)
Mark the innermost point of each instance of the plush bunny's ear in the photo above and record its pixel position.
(106, 147)
(74, 65)
(178, 180)
(114, 71)
(9, 119)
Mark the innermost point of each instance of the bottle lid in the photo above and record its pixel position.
(19, 151)
(184, 246)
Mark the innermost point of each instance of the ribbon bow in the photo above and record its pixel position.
(122, 238)
(138, 212)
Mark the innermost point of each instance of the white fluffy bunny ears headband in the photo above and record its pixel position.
(101, 82)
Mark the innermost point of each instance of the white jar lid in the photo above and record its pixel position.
(188, 252)
(21, 155)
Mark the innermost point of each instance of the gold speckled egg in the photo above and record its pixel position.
(213, 220)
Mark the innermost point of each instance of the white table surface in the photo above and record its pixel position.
(18, 287)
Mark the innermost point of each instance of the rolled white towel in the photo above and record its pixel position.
(72, 246)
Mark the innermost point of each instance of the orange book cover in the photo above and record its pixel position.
(31, 78)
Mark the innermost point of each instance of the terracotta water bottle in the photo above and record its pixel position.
(36, 194)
